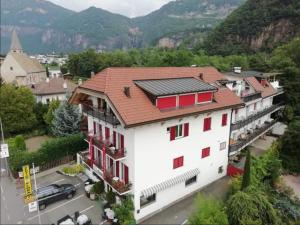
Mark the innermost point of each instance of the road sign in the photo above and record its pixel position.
(32, 206)
(27, 184)
(4, 153)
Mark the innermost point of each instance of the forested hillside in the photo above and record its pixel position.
(256, 26)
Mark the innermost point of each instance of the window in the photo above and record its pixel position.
(11, 68)
(181, 130)
(166, 102)
(204, 97)
(223, 145)
(47, 100)
(220, 169)
(191, 181)
(207, 124)
(205, 152)
(224, 120)
(186, 100)
(178, 162)
(146, 201)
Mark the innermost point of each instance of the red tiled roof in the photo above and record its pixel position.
(266, 91)
(138, 108)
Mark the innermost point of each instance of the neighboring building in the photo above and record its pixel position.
(262, 106)
(54, 72)
(156, 133)
(52, 89)
(19, 68)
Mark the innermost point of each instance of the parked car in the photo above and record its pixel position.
(53, 193)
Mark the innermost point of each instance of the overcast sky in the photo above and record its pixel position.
(130, 8)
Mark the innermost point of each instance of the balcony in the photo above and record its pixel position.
(116, 183)
(104, 116)
(253, 117)
(249, 138)
(251, 97)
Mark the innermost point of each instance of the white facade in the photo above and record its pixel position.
(46, 99)
(150, 154)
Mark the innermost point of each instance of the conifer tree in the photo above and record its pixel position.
(247, 172)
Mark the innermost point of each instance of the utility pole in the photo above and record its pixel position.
(3, 142)
(36, 194)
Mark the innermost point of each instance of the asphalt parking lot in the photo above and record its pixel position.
(59, 209)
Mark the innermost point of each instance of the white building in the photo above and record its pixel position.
(156, 133)
(19, 68)
(52, 89)
(262, 104)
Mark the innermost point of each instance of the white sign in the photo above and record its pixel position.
(4, 151)
(36, 169)
(32, 206)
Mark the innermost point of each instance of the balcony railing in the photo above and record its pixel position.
(116, 183)
(242, 123)
(240, 144)
(104, 116)
(251, 97)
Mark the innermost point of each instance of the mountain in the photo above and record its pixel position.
(258, 25)
(45, 27)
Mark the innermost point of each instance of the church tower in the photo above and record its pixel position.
(15, 45)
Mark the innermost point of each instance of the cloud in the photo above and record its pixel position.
(130, 8)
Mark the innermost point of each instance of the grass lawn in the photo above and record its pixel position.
(34, 143)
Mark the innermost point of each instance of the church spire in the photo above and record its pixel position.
(15, 43)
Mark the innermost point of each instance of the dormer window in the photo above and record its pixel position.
(177, 92)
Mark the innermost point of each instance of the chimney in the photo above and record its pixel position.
(79, 81)
(237, 69)
(92, 74)
(47, 80)
(127, 91)
(65, 86)
(201, 76)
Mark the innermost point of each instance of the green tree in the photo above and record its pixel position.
(48, 117)
(47, 71)
(16, 104)
(208, 210)
(251, 207)
(66, 120)
(64, 69)
(288, 113)
(19, 143)
(247, 172)
(124, 211)
(40, 110)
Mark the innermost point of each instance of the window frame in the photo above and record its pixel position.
(149, 201)
(221, 144)
(191, 181)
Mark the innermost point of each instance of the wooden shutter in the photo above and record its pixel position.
(122, 141)
(205, 152)
(114, 138)
(94, 127)
(186, 129)
(166, 102)
(172, 133)
(126, 177)
(224, 119)
(107, 133)
(117, 168)
(207, 124)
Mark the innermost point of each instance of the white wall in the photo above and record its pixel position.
(43, 98)
(154, 154)
(10, 75)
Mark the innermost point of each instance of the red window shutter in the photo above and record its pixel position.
(126, 175)
(207, 124)
(100, 129)
(166, 102)
(186, 100)
(172, 133)
(178, 162)
(205, 97)
(181, 161)
(224, 119)
(94, 127)
(114, 138)
(122, 141)
(117, 168)
(186, 129)
(205, 152)
(107, 133)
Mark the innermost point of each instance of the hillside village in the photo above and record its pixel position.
(172, 127)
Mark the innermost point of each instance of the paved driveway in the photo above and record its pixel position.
(179, 212)
(18, 211)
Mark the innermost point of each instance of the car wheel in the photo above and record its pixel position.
(42, 206)
(70, 195)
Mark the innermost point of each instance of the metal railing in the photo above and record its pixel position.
(251, 97)
(241, 123)
(242, 143)
(104, 116)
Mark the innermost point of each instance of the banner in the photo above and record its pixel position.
(27, 185)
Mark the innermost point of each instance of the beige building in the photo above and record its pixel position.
(19, 68)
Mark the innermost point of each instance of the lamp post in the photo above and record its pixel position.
(36, 194)
(3, 142)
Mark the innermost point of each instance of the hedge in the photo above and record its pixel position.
(51, 150)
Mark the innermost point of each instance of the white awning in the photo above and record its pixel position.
(169, 183)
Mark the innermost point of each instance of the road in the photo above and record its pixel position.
(14, 211)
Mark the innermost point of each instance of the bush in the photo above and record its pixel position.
(51, 150)
(19, 143)
(124, 211)
(111, 197)
(208, 211)
(98, 187)
(251, 207)
(73, 170)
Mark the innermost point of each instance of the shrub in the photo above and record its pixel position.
(124, 211)
(98, 187)
(208, 211)
(72, 170)
(247, 171)
(19, 143)
(111, 197)
(251, 207)
(235, 186)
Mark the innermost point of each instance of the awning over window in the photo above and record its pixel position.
(169, 183)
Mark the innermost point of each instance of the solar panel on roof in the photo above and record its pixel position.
(172, 86)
